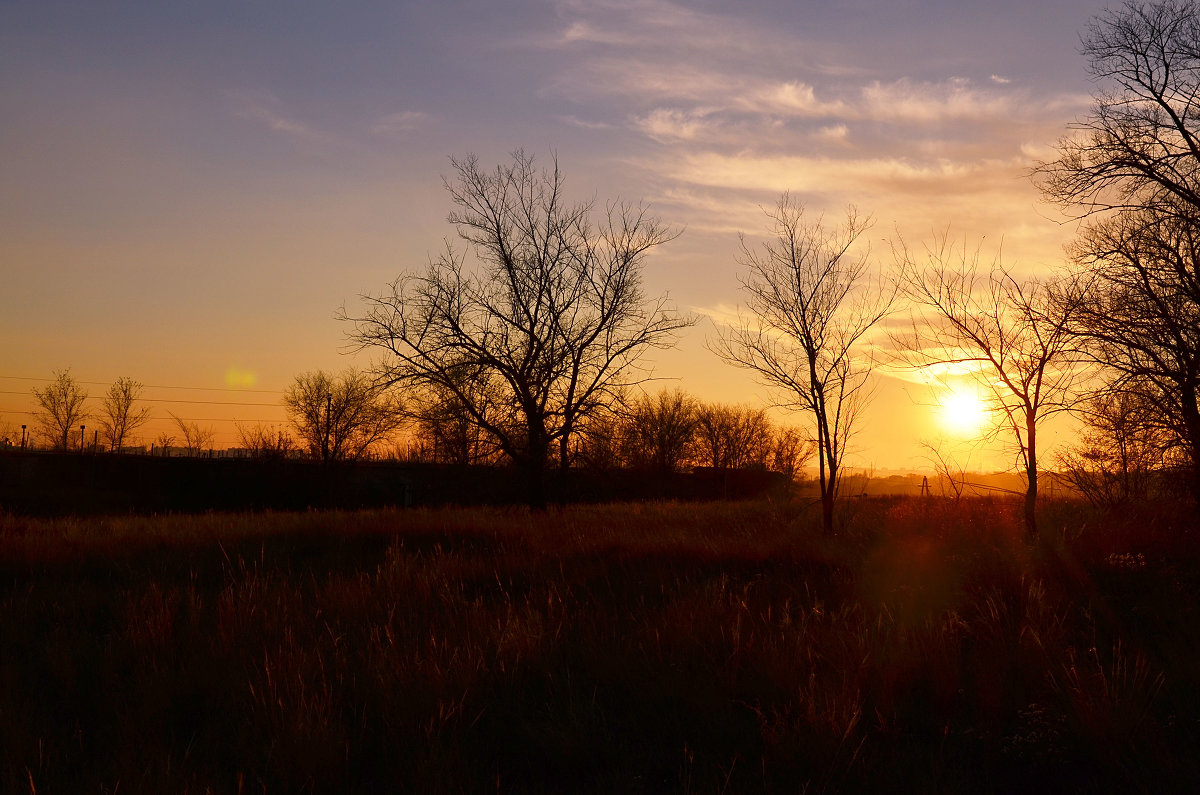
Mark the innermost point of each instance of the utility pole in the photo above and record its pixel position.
(22, 438)
(81, 430)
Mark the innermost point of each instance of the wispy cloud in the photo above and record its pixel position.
(834, 134)
(953, 99)
(266, 109)
(722, 314)
(399, 123)
(668, 125)
(633, 23)
(788, 98)
(584, 124)
(812, 174)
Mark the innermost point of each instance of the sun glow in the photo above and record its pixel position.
(963, 412)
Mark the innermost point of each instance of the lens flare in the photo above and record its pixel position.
(237, 378)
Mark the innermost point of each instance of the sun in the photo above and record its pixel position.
(963, 412)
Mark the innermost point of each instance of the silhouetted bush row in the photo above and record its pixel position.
(44, 484)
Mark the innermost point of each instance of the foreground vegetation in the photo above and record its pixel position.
(726, 647)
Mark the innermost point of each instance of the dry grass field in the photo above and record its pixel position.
(706, 648)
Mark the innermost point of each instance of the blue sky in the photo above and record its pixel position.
(189, 191)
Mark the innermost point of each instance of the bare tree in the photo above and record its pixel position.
(791, 451)
(120, 417)
(598, 445)
(266, 441)
(1141, 319)
(342, 417)
(164, 441)
(60, 410)
(1139, 146)
(1011, 335)
(1137, 155)
(810, 307)
(543, 304)
(733, 437)
(1120, 450)
(659, 430)
(445, 430)
(196, 438)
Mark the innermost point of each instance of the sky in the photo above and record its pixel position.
(190, 191)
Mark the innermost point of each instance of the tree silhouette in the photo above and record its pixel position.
(119, 415)
(542, 306)
(733, 437)
(195, 436)
(265, 441)
(1140, 145)
(445, 430)
(60, 409)
(1140, 274)
(1011, 335)
(1120, 449)
(659, 430)
(810, 308)
(342, 417)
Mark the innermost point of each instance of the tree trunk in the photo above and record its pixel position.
(564, 452)
(1031, 474)
(535, 471)
(535, 485)
(1191, 422)
(827, 512)
(828, 492)
(825, 474)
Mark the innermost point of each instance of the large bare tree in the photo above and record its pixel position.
(341, 417)
(1140, 272)
(1011, 335)
(1134, 164)
(60, 409)
(541, 302)
(1140, 144)
(120, 416)
(810, 304)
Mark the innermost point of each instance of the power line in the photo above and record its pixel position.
(148, 386)
(163, 400)
(225, 419)
(185, 419)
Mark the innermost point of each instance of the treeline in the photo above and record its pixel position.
(351, 417)
(669, 431)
